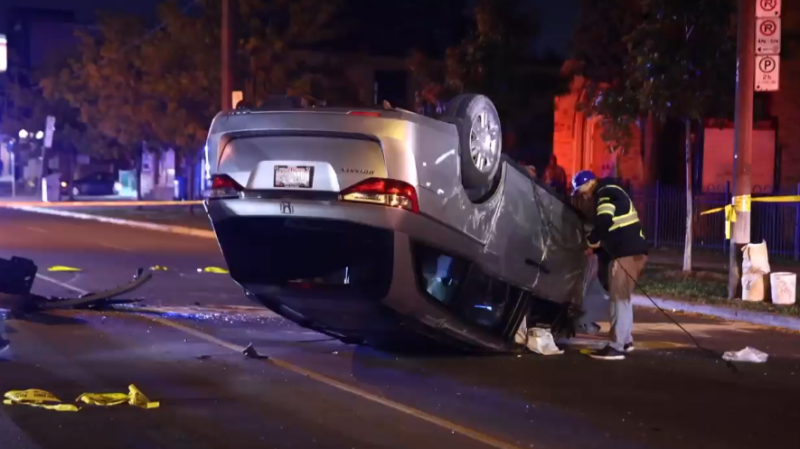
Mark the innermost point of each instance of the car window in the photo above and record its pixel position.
(440, 275)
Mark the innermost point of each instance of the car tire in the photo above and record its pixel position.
(480, 139)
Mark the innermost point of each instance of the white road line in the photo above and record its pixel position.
(75, 289)
(120, 248)
(35, 229)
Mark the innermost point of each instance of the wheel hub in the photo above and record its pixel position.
(484, 142)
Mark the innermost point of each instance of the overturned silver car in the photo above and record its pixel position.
(385, 226)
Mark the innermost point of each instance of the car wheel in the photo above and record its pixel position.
(480, 139)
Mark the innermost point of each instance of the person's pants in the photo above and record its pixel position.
(619, 278)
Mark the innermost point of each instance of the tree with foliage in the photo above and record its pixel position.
(678, 62)
(26, 108)
(496, 59)
(160, 88)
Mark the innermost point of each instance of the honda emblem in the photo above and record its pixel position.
(287, 208)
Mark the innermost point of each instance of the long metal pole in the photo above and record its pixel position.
(226, 66)
(743, 137)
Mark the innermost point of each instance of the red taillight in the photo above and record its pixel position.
(365, 113)
(223, 186)
(386, 192)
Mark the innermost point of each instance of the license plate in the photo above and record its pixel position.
(294, 177)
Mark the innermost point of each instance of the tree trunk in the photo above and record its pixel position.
(687, 249)
(138, 163)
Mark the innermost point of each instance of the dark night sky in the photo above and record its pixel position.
(558, 16)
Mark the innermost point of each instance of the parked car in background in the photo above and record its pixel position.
(95, 184)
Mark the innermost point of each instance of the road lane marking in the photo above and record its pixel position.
(35, 229)
(419, 414)
(120, 248)
(77, 290)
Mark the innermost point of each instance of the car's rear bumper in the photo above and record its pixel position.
(296, 264)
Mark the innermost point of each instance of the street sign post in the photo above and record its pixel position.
(768, 8)
(49, 128)
(768, 69)
(768, 36)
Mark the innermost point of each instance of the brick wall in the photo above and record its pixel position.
(578, 143)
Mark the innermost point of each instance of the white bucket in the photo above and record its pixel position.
(753, 287)
(784, 286)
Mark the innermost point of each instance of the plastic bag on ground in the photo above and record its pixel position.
(747, 354)
(541, 342)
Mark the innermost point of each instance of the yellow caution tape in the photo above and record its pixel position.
(63, 268)
(742, 203)
(47, 400)
(38, 398)
(134, 397)
(159, 268)
(138, 399)
(216, 270)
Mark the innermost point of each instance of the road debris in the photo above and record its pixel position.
(251, 353)
(38, 398)
(748, 354)
(49, 401)
(16, 281)
(134, 397)
(540, 341)
(63, 268)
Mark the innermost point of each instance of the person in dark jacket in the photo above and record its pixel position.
(618, 240)
(555, 176)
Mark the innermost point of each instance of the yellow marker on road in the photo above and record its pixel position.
(159, 268)
(38, 398)
(63, 268)
(216, 270)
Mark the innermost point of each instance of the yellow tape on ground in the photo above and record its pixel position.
(38, 398)
(46, 400)
(742, 203)
(134, 397)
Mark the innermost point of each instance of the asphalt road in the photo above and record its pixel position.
(315, 392)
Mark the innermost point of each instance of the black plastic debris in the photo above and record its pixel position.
(16, 281)
(251, 353)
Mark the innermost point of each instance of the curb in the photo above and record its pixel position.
(183, 230)
(727, 313)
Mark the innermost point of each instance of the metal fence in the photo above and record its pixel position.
(663, 213)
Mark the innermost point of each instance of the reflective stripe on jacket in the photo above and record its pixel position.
(617, 228)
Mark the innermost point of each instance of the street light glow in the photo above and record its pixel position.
(39, 135)
(23, 134)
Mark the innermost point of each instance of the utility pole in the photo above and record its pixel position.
(227, 49)
(743, 138)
